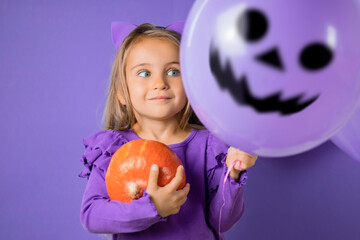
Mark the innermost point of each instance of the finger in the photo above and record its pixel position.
(153, 177)
(231, 150)
(176, 210)
(238, 164)
(233, 162)
(247, 156)
(183, 192)
(240, 153)
(254, 158)
(247, 162)
(182, 201)
(176, 181)
(241, 168)
(244, 157)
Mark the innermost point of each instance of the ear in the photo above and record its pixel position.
(119, 30)
(177, 27)
(121, 99)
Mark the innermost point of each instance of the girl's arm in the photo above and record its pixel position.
(233, 206)
(101, 215)
(98, 213)
(231, 191)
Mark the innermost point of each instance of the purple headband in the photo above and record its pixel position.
(119, 30)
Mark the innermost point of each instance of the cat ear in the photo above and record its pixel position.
(119, 30)
(177, 27)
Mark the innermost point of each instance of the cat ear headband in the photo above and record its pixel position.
(119, 30)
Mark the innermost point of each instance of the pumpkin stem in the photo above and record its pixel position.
(134, 190)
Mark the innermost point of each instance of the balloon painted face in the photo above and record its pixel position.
(272, 78)
(251, 25)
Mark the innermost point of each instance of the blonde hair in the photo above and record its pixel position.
(121, 117)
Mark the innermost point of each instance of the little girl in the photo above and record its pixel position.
(147, 100)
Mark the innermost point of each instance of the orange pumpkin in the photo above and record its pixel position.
(128, 172)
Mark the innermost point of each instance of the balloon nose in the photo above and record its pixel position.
(271, 58)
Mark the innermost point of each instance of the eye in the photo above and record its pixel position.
(252, 25)
(315, 56)
(173, 72)
(143, 74)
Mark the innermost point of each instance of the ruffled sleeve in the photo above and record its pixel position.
(231, 191)
(98, 150)
(216, 154)
(99, 214)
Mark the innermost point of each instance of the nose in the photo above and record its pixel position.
(160, 83)
(272, 58)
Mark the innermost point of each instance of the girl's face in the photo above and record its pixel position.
(153, 79)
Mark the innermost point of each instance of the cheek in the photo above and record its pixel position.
(180, 90)
(182, 97)
(136, 91)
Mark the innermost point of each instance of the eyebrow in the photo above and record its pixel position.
(173, 63)
(140, 65)
(144, 64)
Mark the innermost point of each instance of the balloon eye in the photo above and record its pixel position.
(252, 25)
(315, 56)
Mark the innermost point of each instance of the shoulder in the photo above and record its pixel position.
(213, 144)
(211, 138)
(107, 141)
(99, 148)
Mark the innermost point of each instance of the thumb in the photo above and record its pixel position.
(153, 177)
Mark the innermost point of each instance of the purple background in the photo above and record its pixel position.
(55, 61)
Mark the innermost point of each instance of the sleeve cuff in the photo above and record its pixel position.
(242, 178)
(158, 216)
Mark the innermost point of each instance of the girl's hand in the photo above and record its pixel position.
(167, 200)
(246, 161)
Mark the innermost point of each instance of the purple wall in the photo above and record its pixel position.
(55, 61)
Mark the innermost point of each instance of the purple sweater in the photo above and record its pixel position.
(203, 157)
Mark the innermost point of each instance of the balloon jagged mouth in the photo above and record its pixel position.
(240, 91)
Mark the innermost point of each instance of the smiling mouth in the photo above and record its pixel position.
(160, 98)
(240, 91)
